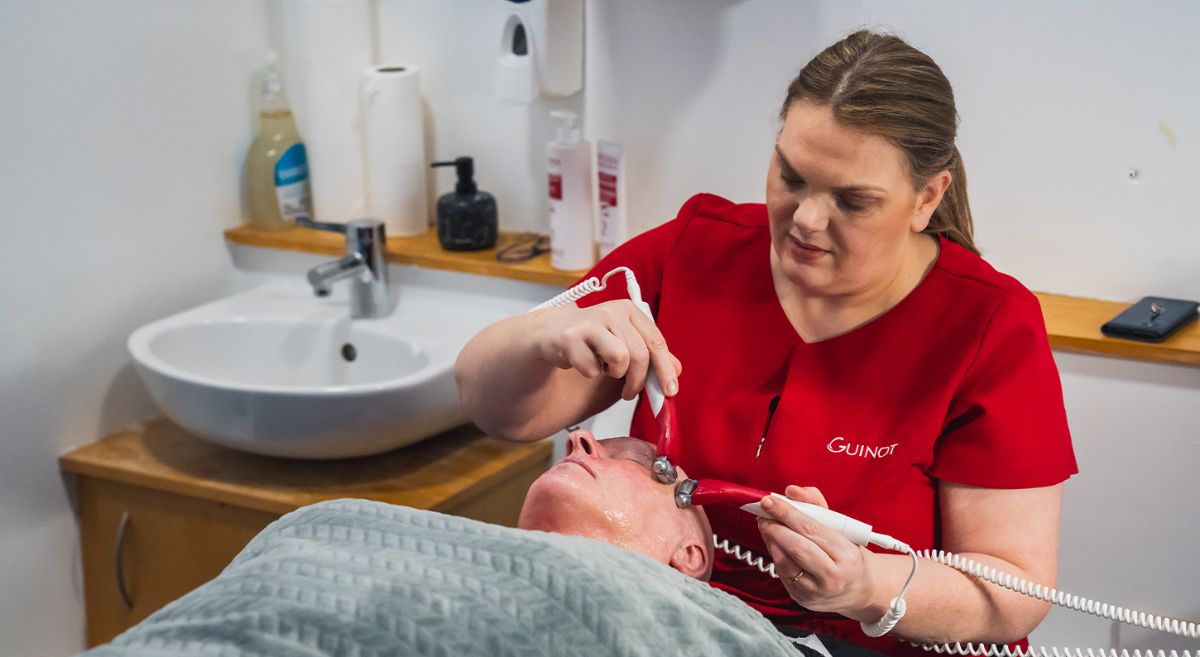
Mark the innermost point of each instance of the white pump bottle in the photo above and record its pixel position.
(569, 167)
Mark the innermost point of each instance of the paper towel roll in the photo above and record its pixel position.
(394, 143)
(328, 43)
(516, 79)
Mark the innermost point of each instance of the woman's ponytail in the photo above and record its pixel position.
(952, 217)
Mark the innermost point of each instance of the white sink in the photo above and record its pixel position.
(278, 371)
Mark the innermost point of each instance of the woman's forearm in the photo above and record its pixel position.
(502, 384)
(947, 606)
(511, 391)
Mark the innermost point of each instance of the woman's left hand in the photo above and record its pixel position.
(835, 572)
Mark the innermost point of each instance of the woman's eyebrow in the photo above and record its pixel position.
(848, 189)
(783, 163)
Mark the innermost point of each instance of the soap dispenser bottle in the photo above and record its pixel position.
(569, 167)
(276, 164)
(466, 217)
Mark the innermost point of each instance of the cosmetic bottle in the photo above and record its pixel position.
(610, 175)
(466, 217)
(276, 164)
(569, 167)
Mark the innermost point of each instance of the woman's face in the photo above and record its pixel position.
(842, 205)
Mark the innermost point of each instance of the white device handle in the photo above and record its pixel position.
(857, 531)
(654, 391)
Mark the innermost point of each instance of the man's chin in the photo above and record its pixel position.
(552, 504)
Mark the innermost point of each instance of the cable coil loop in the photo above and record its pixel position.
(1018, 585)
(1062, 598)
(745, 556)
(572, 295)
(985, 650)
(590, 285)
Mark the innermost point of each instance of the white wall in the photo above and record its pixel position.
(1058, 102)
(1058, 105)
(123, 126)
(456, 44)
(1129, 532)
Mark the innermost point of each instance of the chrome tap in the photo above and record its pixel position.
(364, 261)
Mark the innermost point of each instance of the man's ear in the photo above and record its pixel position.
(691, 559)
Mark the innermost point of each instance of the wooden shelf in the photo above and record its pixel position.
(422, 251)
(1072, 323)
(442, 473)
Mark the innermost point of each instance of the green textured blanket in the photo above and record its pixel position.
(358, 578)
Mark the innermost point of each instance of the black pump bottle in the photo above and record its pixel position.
(466, 217)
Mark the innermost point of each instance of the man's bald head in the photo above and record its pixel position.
(603, 489)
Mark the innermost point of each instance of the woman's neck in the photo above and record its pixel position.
(816, 318)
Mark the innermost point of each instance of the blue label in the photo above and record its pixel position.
(292, 167)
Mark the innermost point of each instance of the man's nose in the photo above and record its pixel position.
(583, 445)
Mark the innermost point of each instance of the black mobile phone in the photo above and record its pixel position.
(1153, 319)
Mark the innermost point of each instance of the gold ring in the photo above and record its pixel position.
(793, 580)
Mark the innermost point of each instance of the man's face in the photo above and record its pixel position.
(603, 489)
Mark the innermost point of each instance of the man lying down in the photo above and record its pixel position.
(603, 489)
(353, 577)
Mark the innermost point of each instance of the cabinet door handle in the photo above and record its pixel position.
(119, 562)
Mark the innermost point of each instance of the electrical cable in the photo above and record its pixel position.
(1017, 585)
(1062, 598)
(590, 285)
(896, 608)
(985, 650)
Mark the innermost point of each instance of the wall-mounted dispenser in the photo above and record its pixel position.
(541, 50)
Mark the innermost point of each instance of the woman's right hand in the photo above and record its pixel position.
(612, 338)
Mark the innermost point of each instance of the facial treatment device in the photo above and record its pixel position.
(663, 408)
(701, 492)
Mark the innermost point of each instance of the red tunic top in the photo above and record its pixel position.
(956, 382)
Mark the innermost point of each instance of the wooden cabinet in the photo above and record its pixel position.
(157, 545)
(161, 512)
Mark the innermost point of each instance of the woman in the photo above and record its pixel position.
(845, 337)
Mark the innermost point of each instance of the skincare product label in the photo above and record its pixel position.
(555, 180)
(291, 183)
(610, 232)
(572, 243)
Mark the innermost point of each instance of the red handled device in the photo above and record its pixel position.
(692, 491)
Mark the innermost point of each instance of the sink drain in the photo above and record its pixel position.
(349, 353)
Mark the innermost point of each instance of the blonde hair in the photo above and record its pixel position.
(882, 85)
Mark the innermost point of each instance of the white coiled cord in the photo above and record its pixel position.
(985, 650)
(590, 285)
(1012, 583)
(896, 608)
(745, 556)
(1062, 598)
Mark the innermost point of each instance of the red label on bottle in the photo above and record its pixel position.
(556, 186)
(608, 189)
